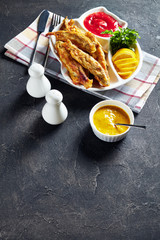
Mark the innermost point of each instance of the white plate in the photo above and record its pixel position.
(115, 79)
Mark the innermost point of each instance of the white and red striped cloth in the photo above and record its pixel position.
(134, 94)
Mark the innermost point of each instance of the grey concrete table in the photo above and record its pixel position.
(61, 182)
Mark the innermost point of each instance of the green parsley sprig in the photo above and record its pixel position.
(122, 38)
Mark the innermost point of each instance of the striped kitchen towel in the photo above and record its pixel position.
(134, 94)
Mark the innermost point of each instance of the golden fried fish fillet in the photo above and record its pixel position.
(78, 38)
(75, 70)
(99, 54)
(89, 63)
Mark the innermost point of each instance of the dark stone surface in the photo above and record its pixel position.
(62, 182)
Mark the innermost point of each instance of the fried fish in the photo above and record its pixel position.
(99, 54)
(78, 38)
(89, 63)
(67, 24)
(76, 71)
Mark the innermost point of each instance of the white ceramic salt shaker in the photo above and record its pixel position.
(54, 111)
(38, 84)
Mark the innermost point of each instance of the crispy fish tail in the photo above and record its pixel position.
(67, 24)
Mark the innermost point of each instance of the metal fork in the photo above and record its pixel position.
(56, 19)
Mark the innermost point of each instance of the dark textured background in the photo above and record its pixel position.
(61, 182)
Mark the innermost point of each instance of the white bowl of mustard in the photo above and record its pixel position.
(103, 117)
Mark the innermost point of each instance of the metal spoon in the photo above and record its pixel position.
(130, 125)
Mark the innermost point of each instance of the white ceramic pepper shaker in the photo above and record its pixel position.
(38, 84)
(54, 111)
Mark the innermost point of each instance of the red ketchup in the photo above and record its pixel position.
(99, 22)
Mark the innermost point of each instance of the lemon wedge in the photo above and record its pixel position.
(125, 62)
(123, 53)
(125, 65)
(128, 69)
(125, 75)
(131, 61)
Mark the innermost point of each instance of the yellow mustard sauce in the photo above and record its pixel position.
(105, 118)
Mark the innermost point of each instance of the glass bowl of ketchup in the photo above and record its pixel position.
(99, 19)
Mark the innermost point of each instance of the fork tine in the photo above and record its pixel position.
(56, 19)
(50, 28)
(57, 22)
(59, 19)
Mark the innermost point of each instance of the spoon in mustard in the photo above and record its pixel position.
(130, 125)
